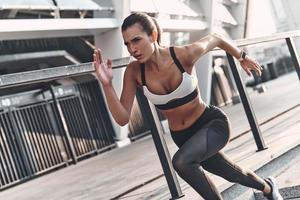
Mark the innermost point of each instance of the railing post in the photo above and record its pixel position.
(247, 106)
(157, 134)
(86, 119)
(21, 156)
(294, 55)
(64, 124)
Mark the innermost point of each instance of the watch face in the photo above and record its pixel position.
(244, 55)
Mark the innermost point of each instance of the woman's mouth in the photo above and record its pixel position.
(138, 57)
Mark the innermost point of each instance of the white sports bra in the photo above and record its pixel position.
(184, 93)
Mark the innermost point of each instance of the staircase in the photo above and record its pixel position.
(287, 163)
(287, 193)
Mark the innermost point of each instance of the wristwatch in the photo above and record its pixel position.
(242, 56)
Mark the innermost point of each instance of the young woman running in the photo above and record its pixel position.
(165, 75)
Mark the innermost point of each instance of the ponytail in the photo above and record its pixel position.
(158, 29)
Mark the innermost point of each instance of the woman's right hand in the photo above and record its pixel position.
(103, 70)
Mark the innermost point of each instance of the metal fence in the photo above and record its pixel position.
(46, 129)
(29, 143)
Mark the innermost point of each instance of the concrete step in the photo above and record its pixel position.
(287, 193)
(276, 168)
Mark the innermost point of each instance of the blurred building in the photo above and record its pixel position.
(286, 16)
(42, 34)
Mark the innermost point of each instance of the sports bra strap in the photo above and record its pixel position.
(178, 64)
(143, 73)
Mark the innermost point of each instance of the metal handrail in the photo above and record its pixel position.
(270, 38)
(44, 75)
(50, 74)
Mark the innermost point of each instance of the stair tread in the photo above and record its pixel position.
(292, 192)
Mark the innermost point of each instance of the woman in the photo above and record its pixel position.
(199, 130)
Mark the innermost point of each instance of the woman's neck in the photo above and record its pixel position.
(156, 61)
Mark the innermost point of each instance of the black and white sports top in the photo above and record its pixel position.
(184, 93)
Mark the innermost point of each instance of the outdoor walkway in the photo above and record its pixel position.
(112, 173)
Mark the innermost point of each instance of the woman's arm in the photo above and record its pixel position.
(120, 109)
(211, 41)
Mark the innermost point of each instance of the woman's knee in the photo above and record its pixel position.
(179, 162)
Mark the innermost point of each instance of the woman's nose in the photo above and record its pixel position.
(133, 49)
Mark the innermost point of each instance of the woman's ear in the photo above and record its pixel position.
(154, 36)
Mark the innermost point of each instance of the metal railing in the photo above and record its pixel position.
(288, 36)
(44, 129)
(46, 75)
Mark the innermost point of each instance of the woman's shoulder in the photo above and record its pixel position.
(183, 55)
(133, 70)
(133, 67)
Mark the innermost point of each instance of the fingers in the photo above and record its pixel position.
(248, 72)
(247, 68)
(254, 64)
(257, 71)
(256, 68)
(260, 67)
(251, 64)
(109, 63)
(96, 62)
(99, 55)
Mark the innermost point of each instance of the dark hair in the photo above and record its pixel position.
(148, 23)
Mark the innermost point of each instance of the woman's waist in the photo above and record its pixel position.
(204, 115)
(183, 118)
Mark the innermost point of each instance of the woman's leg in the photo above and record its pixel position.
(222, 166)
(202, 145)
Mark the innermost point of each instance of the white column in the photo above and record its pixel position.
(204, 73)
(239, 12)
(112, 46)
(204, 65)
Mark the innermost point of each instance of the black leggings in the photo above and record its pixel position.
(199, 148)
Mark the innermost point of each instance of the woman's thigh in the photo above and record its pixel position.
(206, 142)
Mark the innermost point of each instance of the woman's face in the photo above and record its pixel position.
(139, 44)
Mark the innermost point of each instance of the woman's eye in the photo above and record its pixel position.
(136, 40)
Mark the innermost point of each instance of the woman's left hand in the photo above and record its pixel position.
(249, 64)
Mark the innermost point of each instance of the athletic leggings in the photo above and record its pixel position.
(199, 148)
